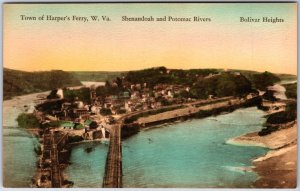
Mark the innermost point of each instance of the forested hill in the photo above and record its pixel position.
(17, 82)
(95, 76)
(201, 83)
(153, 76)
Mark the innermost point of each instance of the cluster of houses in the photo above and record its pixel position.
(138, 97)
(135, 97)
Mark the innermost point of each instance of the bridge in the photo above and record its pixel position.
(53, 146)
(113, 169)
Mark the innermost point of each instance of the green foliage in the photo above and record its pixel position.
(128, 130)
(269, 95)
(108, 90)
(78, 126)
(28, 121)
(99, 76)
(291, 90)
(267, 130)
(287, 77)
(121, 111)
(263, 80)
(93, 125)
(184, 94)
(38, 149)
(105, 111)
(49, 106)
(290, 114)
(82, 94)
(53, 95)
(55, 123)
(19, 82)
(154, 76)
(60, 124)
(225, 84)
(131, 119)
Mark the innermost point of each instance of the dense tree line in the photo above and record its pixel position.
(82, 94)
(19, 82)
(28, 121)
(290, 114)
(291, 90)
(161, 75)
(225, 84)
(203, 82)
(274, 120)
(219, 83)
(262, 80)
(98, 76)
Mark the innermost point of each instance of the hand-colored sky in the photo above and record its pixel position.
(224, 42)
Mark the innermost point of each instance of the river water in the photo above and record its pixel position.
(18, 145)
(188, 154)
(193, 153)
(87, 168)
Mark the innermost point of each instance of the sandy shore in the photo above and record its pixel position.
(278, 168)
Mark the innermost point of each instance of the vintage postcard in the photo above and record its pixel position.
(150, 95)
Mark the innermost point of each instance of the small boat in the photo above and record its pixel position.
(150, 140)
(89, 149)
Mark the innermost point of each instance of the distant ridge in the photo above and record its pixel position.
(16, 82)
(97, 76)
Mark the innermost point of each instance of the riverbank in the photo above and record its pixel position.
(278, 168)
(203, 110)
(227, 105)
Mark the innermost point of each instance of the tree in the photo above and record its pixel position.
(107, 83)
(53, 95)
(225, 84)
(119, 82)
(105, 111)
(83, 94)
(263, 80)
(291, 90)
(28, 121)
(290, 114)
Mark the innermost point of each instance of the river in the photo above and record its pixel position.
(188, 154)
(193, 153)
(18, 145)
(87, 168)
(279, 89)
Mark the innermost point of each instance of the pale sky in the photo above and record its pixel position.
(224, 42)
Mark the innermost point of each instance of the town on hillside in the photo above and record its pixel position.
(93, 108)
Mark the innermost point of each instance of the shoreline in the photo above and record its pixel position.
(260, 168)
(261, 164)
(278, 168)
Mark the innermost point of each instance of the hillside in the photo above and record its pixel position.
(201, 82)
(287, 77)
(154, 76)
(17, 82)
(20, 82)
(97, 76)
